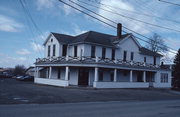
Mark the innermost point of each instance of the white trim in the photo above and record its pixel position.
(120, 85)
(53, 82)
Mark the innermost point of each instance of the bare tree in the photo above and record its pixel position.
(19, 70)
(157, 44)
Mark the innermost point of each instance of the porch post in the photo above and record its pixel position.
(131, 73)
(96, 75)
(50, 72)
(67, 73)
(115, 75)
(144, 76)
(37, 72)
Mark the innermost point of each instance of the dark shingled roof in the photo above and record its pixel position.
(97, 38)
(146, 51)
(62, 38)
(94, 37)
(88, 37)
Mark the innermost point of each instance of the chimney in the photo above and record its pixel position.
(119, 30)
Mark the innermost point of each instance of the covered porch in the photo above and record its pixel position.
(97, 77)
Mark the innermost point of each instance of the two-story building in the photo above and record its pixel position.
(101, 61)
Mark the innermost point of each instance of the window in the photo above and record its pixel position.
(113, 54)
(75, 51)
(154, 60)
(111, 76)
(132, 56)
(100, 75)
(59, 73)
(164, 77)
(64, 50)
(49, 49)
(145, 59)
(54, 50)
(124, 56)
(93, 49)
(103, 53)
(51, 40)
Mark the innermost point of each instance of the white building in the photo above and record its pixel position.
(101, 61)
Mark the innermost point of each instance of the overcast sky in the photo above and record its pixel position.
(21, 42)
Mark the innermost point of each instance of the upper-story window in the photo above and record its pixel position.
(54, 50)
(64, 50)
(124, 55)
(75, 51)
(49, 50)
(113, 54)
(145, 59)
(154, 60)
(93, 50)
(51, 40)
(103, 53)
(132, 56)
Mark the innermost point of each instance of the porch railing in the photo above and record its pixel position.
(88, 59)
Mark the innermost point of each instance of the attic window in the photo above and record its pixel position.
(51, 40)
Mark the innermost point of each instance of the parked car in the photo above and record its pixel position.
(25, 78)
(19, 77)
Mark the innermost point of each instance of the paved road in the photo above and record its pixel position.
(95, 109)
(18, 92)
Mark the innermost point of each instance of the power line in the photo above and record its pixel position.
(112, 21)
(33, 22)
(113, 7)
(169, 2)
(167, 28)
(108, 23)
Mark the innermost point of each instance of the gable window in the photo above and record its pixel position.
(124, 55)
(75, 51)
(54, 50)
(49, 49)
(103, 53)
(132, 56)
(154, 60)
(93, 50)
(113, 54)
(145, 59)
(64, 50)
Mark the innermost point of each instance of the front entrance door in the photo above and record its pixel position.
(83, 77)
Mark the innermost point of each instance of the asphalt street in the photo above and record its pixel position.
(170, 108)
(19, 92)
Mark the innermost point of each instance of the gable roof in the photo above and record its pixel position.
(98, 38)
(63, 38)
(146, 51)
(132, 37)
(94, 38)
